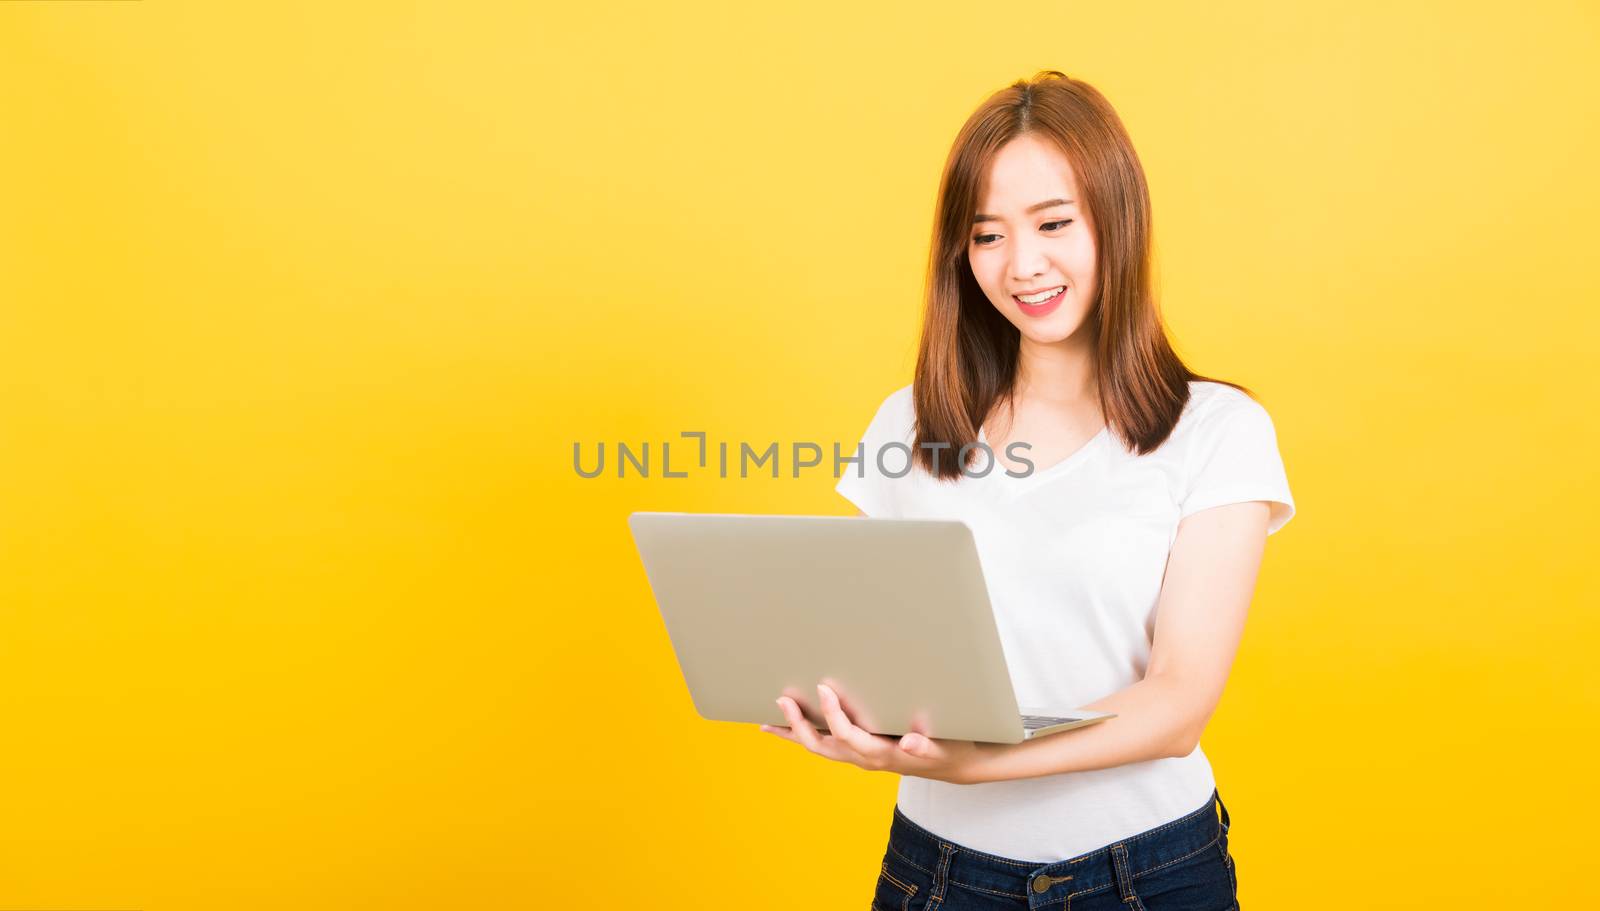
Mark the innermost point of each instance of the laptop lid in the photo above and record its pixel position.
(891, 613)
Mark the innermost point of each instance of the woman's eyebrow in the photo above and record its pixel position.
(1033, 208)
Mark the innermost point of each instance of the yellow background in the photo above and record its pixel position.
(303, 307)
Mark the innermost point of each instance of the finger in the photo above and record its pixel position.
(840, 725)
(917, 745)
(803, 731)
(776, 731)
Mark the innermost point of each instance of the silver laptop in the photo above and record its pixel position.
(893, 614)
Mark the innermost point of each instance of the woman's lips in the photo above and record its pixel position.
(1043, 308)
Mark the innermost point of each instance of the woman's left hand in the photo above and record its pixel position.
(953, 761)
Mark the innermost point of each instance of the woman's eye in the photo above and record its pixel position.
(979, 240)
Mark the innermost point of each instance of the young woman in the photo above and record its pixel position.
(1120, 504)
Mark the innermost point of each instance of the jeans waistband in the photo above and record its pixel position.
(1112, 866)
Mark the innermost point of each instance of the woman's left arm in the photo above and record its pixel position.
(1205, 594)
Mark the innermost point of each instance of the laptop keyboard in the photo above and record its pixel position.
(1034, 722)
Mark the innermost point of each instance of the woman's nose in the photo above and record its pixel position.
(1026, 270)
(1027, 262)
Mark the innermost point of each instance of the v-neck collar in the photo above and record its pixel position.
(1014, 485)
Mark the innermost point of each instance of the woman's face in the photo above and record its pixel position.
(1016, 249)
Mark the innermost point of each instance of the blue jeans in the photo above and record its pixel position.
(1183, 865)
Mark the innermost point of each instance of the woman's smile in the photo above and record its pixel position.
(1040, 307)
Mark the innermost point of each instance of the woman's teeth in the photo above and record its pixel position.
(1042, 296)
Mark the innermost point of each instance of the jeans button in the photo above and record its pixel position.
(1041, 883)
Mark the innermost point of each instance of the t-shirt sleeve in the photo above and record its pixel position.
(864, 483)
(1234, 459)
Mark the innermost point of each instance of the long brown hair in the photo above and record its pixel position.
(967, 359)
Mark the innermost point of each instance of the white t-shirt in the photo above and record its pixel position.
(1073, 555)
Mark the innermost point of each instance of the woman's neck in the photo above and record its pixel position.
(1059, 375)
